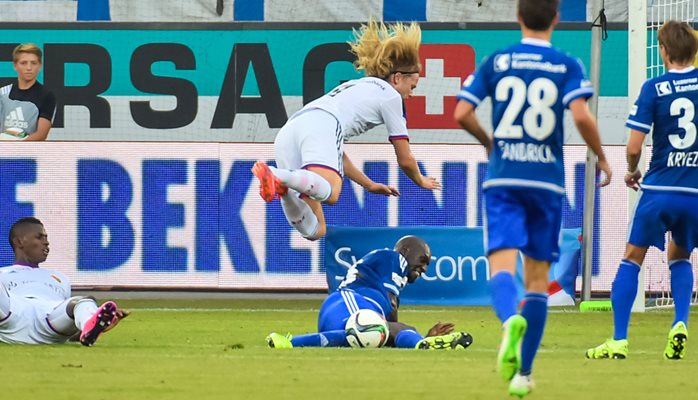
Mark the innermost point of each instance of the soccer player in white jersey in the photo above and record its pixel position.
(35, 303)
(667, 107)
(310, 159)
(530, 83)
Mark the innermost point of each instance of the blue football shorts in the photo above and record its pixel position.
(339, 306)
(521, 218)
(658, 212)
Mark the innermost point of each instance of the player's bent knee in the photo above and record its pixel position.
(319, 233)
(334, 197)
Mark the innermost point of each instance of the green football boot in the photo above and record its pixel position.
(451, 341)
(279, 341)
(676, 345)
(509, 356)
(609, 349)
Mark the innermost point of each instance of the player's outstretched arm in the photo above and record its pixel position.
(586, 124)
(408, 165)
(359, 177)
(465, 116)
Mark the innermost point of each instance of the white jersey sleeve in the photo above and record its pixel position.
(361, 104)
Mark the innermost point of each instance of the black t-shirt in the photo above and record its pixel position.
(23, 108)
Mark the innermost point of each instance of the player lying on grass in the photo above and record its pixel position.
(375, 282)
(35, 303)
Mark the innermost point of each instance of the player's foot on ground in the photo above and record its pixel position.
(509, 356)
(609, 349)
(521, 385)
(676, 345)
(279, 341)
(105, 316)
(268, 182)
(454, 340)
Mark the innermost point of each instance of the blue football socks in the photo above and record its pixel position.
(681, 289)
(407, 339)
(535, 311)
(323, 339)
(623, 294)
(503, 292)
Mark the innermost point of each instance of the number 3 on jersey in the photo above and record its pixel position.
(685, 110)
(539, 118)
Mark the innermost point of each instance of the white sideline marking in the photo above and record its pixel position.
(289, 310)
(416, 311)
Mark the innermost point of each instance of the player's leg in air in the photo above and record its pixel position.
(535, 217)
(308, 170)
(504, 301)
(502, 247)
(83, 315)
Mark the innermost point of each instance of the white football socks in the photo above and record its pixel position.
(83, 311)
(299, 214)
(303, 181)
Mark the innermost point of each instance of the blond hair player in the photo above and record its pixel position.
(309, 148)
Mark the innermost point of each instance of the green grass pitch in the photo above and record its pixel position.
(215, 349)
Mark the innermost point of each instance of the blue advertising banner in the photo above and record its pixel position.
(189, 215)
(459, 270)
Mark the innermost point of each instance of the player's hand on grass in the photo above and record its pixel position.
(440, 329)
(380, 188)
(632, 179)
(428, 182)
(603, 168)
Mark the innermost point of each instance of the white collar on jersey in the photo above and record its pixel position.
(683, 71)
(536, 42)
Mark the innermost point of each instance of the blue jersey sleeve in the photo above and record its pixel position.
(475, 87)
(576, 85)
(642, 112)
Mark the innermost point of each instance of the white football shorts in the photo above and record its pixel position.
(312, 137)
(28, 322)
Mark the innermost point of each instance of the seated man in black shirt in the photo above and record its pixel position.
(26, 106)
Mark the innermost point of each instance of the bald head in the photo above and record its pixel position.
(417, 254)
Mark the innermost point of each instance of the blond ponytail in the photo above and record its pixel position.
(382, 50)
